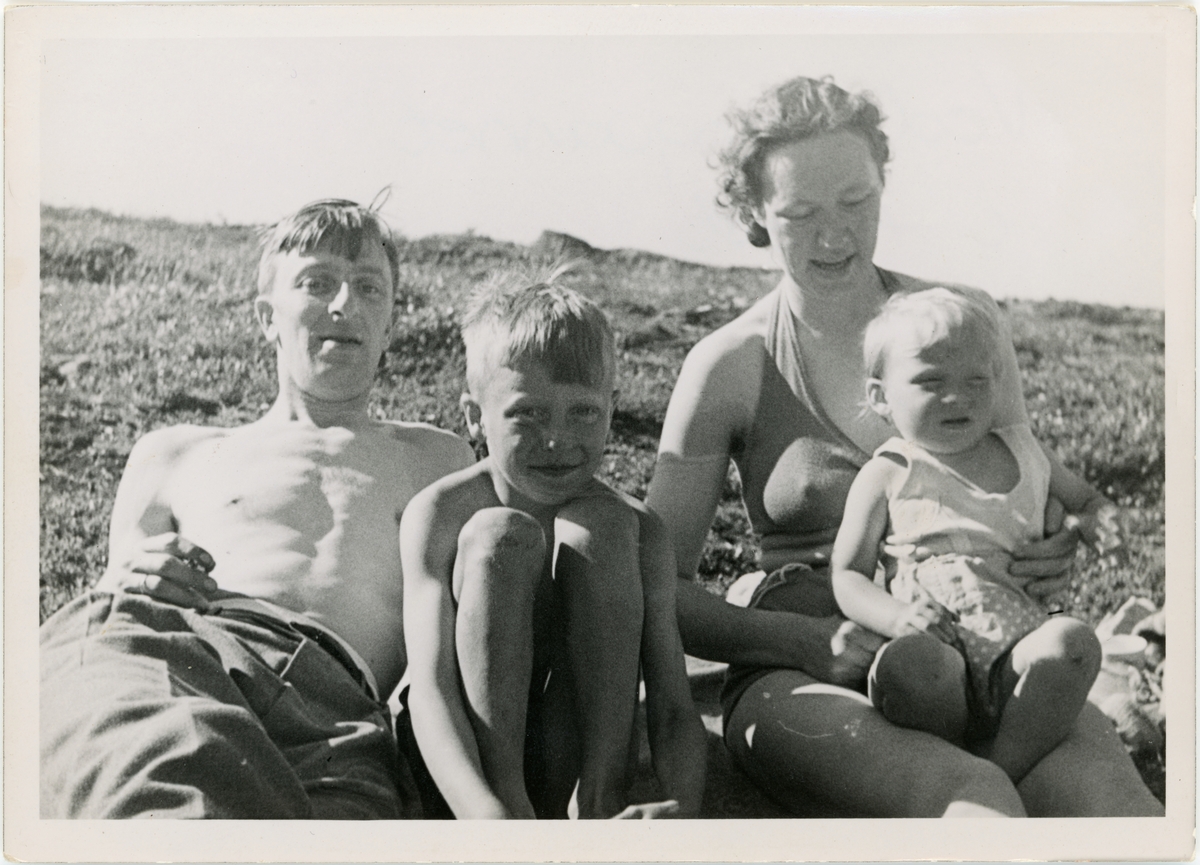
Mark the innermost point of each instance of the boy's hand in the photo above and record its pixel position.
(852, 649)
(926, 616)
(167, 567)
(650, 811)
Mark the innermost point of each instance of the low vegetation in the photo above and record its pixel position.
(146, 323)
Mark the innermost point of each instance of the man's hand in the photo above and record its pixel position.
(1044, 567)
(650, 811)
(167, 567)
(852, 649)
(926, 616)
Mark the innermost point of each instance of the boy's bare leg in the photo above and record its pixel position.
(919, 682)
(598, 572)
(1050, 671)
(500, 558)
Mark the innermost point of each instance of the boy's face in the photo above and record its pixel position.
(940, 396)
(329, 319)
(545, 439)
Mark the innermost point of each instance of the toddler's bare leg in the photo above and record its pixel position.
(919, 682)
(1050, 671)
(501, 554)
(597, 568)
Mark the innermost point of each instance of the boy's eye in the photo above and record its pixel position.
(369, 286)
(317, 284)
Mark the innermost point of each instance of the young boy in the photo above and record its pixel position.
(973, 658)
(533, 591)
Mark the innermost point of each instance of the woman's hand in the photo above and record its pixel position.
(167, 567)
(1046, 564)
(852, 649)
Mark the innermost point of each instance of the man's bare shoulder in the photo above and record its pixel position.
(432, 442)
(169, 444)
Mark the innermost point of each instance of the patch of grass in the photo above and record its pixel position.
(146, 323)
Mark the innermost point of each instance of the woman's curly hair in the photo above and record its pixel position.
(792, 111)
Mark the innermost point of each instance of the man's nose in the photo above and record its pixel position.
(343, 301)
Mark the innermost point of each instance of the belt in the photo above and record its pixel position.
(326, 639)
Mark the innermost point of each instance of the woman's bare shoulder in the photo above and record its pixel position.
(735, 348)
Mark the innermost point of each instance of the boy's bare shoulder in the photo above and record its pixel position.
(454, 497)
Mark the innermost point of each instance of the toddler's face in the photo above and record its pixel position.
(940, 396)
(545, 438)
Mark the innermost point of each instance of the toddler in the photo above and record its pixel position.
(973, 658)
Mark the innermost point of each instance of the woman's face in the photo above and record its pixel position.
(820, 206)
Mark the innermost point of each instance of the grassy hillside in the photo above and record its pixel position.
(148, 323)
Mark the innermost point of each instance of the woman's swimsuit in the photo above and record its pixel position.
(796, 468)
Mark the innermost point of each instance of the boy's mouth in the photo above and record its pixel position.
(956, 422)
(556, 471)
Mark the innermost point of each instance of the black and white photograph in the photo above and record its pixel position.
(679, 415)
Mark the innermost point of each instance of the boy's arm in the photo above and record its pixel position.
(1091, 513)
(428, 544)
(856, 554)
(677, 737)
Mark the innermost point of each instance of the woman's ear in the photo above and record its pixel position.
(877, 399)
(264, 313)
(474, 417)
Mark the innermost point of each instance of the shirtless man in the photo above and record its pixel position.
(233, 660)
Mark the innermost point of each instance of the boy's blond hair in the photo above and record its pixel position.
(523, 315)
(927, 317)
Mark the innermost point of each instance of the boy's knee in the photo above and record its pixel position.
(606, 520)
(501, 531)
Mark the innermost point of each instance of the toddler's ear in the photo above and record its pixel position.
(474, 417)
(877, 399)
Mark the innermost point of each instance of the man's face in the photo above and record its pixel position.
(329, 319)
(545, 438)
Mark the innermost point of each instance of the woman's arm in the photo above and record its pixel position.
(712, 404)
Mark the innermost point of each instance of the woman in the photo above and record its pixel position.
(779, 391)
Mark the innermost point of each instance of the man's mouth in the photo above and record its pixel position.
(832, 267)
(556, 471)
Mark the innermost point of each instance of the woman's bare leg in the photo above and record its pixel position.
(597, 570)
(1053, 668)
(501, 555)
(1088, 775)
(837, 750)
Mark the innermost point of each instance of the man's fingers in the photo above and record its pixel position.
(179, 546)
(172, 568)
(166, 590)
(1045, 588)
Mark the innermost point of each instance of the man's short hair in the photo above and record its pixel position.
(925, 317)
(519, 315)
(341, 226)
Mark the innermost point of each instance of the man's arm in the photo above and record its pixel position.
(143, 533)
(1094, 516)
(676, 734)
(428, 544)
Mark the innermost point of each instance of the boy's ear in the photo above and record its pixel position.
(877, 399)
(264, 314)
(474, 416)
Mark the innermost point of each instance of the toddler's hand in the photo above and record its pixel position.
(926, 616)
